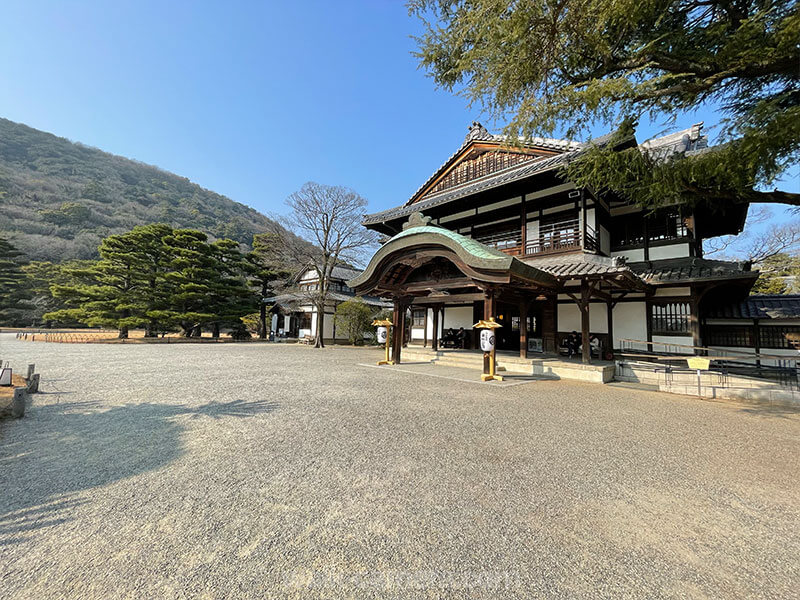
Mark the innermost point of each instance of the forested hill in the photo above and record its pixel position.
(58, 199)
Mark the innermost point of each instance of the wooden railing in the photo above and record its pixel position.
(563, 236)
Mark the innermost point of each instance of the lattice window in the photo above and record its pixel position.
(782, 336)
(670, 318)
(735, 336)
(418, 318)
(486, 163)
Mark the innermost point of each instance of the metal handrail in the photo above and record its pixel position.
(741, 353)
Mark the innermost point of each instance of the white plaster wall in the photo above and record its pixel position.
(678, 340)
(591, 218)
(598, 318)
(417, 333)
(605, 240)
(633, 255)
(671, 251)
(630, 321)
(458, 316)
(556, 209)
(549, 191)
(673, 291)
(309, 275)
(273, 325)
(569, 318)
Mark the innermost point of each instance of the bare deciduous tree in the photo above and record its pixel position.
(330, 218)
(757, 247)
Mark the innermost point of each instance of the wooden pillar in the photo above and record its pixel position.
(583, 305)
(757, 340)
(583, 219)
(398, 332)
(694, 321)
(435, 337)
(425, 329)
(489, 306)
(549, 317)
(524, 228)
(523, 328)
(610, 327)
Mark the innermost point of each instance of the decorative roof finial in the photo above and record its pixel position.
(477, 132)
(416, 219)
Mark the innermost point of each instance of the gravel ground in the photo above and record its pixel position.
(274, 471)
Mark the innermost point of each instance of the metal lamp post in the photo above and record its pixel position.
(384, 326)
(487, 328)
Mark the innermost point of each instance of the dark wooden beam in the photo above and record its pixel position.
(523, 328)
(583, 305)
(435, 336)
(451, 299)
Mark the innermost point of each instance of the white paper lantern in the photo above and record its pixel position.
(487, 340)
(383, 334)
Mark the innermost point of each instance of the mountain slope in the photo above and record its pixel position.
(58, 199)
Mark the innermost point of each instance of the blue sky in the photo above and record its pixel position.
(249, 99)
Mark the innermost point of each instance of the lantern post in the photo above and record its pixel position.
(487, 328)
(383, 326)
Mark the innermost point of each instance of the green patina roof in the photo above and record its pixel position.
(471, 246)
(472, 252)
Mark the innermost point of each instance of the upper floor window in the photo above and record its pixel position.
(668, 225)
(418, 317)
(630, 230)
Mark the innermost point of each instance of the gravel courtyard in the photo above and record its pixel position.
(275, 471)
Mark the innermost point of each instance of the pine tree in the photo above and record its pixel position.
(13, 290)
(231, 296)
(109, 292)
(564, 67)
(266, 268)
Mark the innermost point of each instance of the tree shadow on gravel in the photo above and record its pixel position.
(67, 447)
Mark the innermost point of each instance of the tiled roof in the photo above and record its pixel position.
(344, 273)
(569, 151)
(577, 265)
(338, 272)
(496, 179)
(759, 307)
(686, 270)
(300, 299)
(681, 141)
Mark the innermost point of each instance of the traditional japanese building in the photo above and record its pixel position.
(294, 314)
(497, 231)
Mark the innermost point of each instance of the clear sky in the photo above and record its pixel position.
(249, 99)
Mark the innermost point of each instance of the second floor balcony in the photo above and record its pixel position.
(552, 238)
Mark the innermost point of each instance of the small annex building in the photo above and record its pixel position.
(294, 313)
(497, 231)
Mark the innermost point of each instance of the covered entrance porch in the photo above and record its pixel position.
(433, 268)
